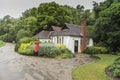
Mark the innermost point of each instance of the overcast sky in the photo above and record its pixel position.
(15, 8)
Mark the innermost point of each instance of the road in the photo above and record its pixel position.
(14, 66)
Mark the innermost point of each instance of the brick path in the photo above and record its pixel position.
(18, 67)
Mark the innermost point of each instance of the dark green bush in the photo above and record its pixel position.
(67, 54)
(48, 50)
(23, 33)
(118, 53)
(6, 37)
(27, 40)
(115, 68)
(95, 50)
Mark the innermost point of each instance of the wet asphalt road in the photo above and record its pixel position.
(19, 67)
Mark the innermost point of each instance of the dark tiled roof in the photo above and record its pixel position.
(43, 35)
(72, 30)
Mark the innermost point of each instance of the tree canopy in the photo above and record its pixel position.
(107, 26)
(105, 17)
(40, 18)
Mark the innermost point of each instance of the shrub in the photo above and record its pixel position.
(48, 50)
(118, 53)
(27, 40)
(26, 52)
(67, 54)
(62, 47)
(23, 33)
(2, 43)
(6, 37)
(115, 68)
(25, 49)
(95, 50)
(24, 40)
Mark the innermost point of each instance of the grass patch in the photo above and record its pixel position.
(94, 71)
(2, 43)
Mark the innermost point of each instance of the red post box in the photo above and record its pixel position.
(36, 48)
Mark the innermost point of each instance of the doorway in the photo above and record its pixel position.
(76, 46)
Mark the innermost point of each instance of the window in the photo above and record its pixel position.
(62, 40)
(57, 39)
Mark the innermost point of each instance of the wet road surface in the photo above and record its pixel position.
(19, 67)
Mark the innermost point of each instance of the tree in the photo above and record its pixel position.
(30, 24)
(52, 14)
(103, 5)
(23, 33)
(43, 17)
(107, 27)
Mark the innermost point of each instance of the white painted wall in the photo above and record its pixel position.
(45, 40)
(54, 39)
(69, 41)
(90, 43)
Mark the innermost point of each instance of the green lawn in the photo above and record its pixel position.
(94, 71)
(2, 43)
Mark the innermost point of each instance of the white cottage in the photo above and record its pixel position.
(70, 36)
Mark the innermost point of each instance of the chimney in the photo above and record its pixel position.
(83, 32)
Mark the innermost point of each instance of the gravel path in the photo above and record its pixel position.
(18, 67)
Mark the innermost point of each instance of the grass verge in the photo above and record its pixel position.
(94, 71)
(2, 43)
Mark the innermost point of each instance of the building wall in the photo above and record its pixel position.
(69, 41)
(45, 40)
(90, 42)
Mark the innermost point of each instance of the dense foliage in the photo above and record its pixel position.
(95, 50)
(65, 52)
(25, 46)
(107, 25)
(2, 43)
(48, 50)
(51, 51)
(24, 43)
(105, 17)
(115, 68)
(26, 49)
(40, 18)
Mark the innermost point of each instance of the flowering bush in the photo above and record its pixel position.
(65, 52)
(25, 46)
(62, 47)
(25, 49)
(24, 40)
